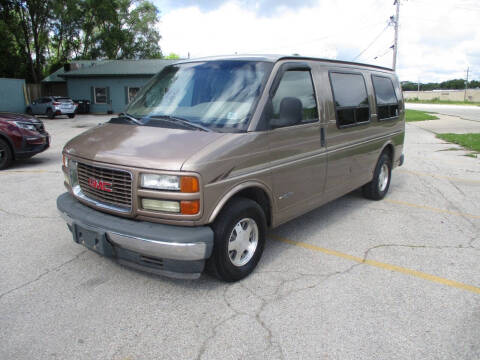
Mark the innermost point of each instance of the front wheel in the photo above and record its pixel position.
(378, 187)
(71, 116)
(239, 240)
(29, 111)
(6, 156)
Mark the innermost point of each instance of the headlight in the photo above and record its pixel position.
(160, 182)
(25, 125)
(186, 184)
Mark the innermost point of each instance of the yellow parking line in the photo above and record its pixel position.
(444, 211)
(418, 173)
(381, 265)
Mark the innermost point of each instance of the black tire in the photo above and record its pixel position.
(50, 113)
(71, 116)
(378, 187)
(6, 155)
(220, 263)
(29, 111)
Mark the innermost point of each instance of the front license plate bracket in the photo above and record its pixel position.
(93, 240)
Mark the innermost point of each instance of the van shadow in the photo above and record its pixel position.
(313, 222)
(328, 215)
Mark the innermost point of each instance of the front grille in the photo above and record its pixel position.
(121, 194)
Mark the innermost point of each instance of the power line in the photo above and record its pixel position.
(385, 53)
(373, 41)
(330, 36)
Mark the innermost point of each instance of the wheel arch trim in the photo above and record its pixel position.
(237, 189)
(388, 145)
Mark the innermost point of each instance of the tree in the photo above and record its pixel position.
(474, 84)
(66, 28)
(27, 21)
(41, 35)
(13, 63)
(172, 56)
(120, 30)
(453, 84)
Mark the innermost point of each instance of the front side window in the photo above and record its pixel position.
(100, 95)
(351, 99)
(387, 103)
(294, 100)
(220, 95)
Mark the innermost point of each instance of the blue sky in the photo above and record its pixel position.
(438, 40)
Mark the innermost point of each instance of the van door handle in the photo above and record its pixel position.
(322, 137)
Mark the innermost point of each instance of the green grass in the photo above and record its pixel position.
(415, 115)
(468, 141)
(438, 101)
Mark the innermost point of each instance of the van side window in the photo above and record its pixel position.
(294, 101)
(387, 103)
(350, 97)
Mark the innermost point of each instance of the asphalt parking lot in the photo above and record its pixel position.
(355, 279)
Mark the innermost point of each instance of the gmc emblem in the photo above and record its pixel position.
(100, 185)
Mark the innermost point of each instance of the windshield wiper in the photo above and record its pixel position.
(132, 118)
(180, 120)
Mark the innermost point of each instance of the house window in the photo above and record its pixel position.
(295, 91)
(351, 99)
(132, 92)
(387, 103)
(100, 95)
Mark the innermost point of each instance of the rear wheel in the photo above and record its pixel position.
(29, 111)
(71, 116)
(6, 156)
(50, 113)
(239, 240)
(378, 187)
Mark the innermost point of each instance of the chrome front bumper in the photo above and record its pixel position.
(181, 250)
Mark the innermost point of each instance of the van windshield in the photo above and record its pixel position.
(219, 95)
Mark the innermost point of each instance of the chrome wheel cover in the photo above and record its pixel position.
(383, 177)
(243, 242)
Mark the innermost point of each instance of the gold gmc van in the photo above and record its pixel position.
(215, 151)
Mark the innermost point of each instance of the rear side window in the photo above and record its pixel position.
(350, 97)
(387, 103)
(295, 90)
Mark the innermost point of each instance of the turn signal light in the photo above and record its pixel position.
(190, 207)
(65, 161)
(189, 184)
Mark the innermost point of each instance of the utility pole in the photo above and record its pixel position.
(395, 45)
(466, 86)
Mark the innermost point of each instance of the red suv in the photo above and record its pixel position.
(21, 137)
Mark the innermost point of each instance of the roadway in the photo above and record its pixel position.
(467, 112)
(355, 279)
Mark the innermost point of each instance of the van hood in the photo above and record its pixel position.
(140, 146)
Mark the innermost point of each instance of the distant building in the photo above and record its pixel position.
(109, 85)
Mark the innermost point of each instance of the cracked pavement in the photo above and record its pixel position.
(59, 301)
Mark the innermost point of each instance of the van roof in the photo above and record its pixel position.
(275, 58)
